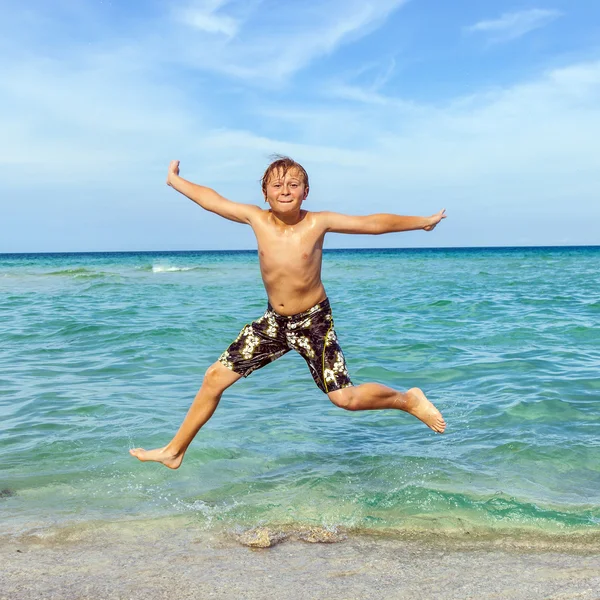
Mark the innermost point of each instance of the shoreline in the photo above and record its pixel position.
(448, 531)
(172, 558)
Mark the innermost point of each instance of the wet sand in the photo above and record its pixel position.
(150, 560)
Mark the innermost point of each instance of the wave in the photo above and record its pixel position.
(411, 509)
(441, 303)
(165, 268)
(81, 272)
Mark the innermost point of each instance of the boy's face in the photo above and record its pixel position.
(285, 193)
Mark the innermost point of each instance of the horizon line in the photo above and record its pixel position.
(324, 249)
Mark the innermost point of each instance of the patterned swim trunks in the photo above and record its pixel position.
(310, 333)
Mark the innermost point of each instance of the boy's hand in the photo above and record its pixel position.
(435, 219)
(173, 170)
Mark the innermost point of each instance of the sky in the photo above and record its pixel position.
(488, 109)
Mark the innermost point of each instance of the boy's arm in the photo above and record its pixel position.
(379, 223)
(210, 200)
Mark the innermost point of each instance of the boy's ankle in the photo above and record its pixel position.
(174, 449)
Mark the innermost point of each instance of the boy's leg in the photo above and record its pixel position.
(328, 368)
(374, 396)
(217, 379)
(257, 344)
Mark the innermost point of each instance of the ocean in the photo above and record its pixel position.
(102, 352)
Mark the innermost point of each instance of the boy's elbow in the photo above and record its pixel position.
(377, 224)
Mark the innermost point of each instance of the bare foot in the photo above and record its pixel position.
(162, 455)
(418, 405)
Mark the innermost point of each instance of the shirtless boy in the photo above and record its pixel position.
(298, 315)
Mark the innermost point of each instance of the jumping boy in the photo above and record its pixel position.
(298, 315)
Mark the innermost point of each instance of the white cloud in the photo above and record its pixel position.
(106, 116)
(84, 122)
(271, 46)
(514, 24)
(518, 146)
(203, 16)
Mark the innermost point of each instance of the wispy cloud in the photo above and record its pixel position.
(270, 48)
(204, 16)
(513, 25)
(502, 141)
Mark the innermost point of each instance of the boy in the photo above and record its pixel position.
(298, 315)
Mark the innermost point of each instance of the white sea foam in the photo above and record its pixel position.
(168, 269)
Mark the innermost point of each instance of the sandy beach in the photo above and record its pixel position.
(152, 560)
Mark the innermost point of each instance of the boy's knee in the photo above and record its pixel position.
(344, 398)
(217, 377)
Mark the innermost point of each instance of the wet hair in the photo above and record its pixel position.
(281, 165)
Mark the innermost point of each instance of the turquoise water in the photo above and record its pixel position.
(103, 352)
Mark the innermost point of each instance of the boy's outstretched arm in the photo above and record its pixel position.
(208, 199)
(378, 223)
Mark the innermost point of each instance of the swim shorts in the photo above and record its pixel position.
(310, 333)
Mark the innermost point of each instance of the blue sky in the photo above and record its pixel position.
(489, 109)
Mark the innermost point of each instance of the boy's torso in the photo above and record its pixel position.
(290, 261)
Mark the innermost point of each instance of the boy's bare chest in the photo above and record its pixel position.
(295, 249)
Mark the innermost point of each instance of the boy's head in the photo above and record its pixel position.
(285, 183)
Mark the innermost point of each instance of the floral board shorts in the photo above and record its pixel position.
(310, 333)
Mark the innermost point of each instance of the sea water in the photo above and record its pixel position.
(100, 353)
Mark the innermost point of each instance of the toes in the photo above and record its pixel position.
(439, 425)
